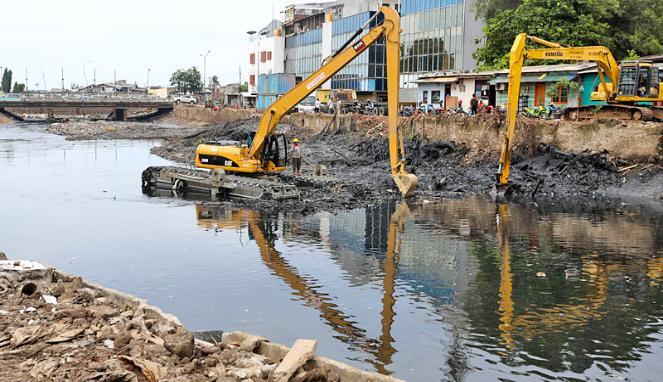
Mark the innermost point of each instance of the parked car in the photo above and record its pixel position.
(183, 98)
(307, 105)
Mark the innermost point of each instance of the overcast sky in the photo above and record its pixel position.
(129, 36)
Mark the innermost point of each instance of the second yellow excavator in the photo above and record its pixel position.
(629, 90)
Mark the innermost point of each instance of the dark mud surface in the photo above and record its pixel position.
(358, 169)
(360, 163)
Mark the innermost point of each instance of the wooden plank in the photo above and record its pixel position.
(301, 351)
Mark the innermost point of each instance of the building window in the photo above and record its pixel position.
(425, 98)
(435, 96)
(562, 95)
(252, 80)
(269, 55)
(263, 56)
(252, 58)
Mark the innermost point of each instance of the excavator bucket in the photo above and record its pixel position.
(499, 193)
(406, 183)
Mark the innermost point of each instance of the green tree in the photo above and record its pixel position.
(187, 80)
(620, 25)
(7, 81)
(18, 88)
(638, 27)
(244, 87)
(214, 81)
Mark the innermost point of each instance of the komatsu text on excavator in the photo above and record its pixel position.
(630, 90)
(265, 152)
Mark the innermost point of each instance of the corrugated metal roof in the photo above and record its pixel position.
(437, 80)
(545, 77)
(552, 68)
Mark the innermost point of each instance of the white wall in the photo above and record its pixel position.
(263, 44)
(326, 46)
(463, 92)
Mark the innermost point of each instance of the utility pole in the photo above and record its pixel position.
(147, 89)
(85, 72)
(114, 77)
(239, 88)
(94, 76)
(26, 79)
(205, 68)
(62, 72)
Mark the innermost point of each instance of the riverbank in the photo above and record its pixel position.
(55, 326)
(453, 156)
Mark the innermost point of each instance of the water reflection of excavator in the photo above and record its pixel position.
(630, 85)
(263, 233)
(561, 317)
(265, 151)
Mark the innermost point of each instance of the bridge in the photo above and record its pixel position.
(112, 108)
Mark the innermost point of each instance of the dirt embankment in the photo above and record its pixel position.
(4, 120)
(90, 130)
(452, 155)
(56, 327)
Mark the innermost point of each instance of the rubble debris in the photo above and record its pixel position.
(301, 352)
(97, 334)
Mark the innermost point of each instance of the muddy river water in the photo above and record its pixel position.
(448, 290)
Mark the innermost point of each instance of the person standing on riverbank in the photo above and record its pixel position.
(296, 156)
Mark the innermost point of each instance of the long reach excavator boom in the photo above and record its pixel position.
(261, 156)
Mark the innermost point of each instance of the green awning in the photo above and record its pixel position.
(529, 78)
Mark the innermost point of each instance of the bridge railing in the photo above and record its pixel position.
(83, 97)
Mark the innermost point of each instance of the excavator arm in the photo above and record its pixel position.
(390, 29)
(608, 67)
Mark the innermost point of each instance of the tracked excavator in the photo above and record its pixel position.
(246, 169)
(630, 91)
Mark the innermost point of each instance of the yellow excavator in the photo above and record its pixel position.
(631, 92)
(266, 152)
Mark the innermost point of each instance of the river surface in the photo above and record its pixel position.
(450, 290)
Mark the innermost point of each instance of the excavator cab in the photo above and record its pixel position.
(639, 81)
(275, 153)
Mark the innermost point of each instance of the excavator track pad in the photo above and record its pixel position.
(180, 181)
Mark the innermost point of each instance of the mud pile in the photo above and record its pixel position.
(57, 327)
(90, 130)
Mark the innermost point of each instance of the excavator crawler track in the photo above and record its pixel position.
(216, 184)
(613, 111)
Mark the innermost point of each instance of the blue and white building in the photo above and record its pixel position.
(438, 35)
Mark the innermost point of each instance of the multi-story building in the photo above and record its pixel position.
(266, 53)
(437, 35)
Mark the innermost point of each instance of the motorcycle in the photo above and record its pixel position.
(457, 110)
(535, 112)
(554, 112)
(356, 107)
(370, 109)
